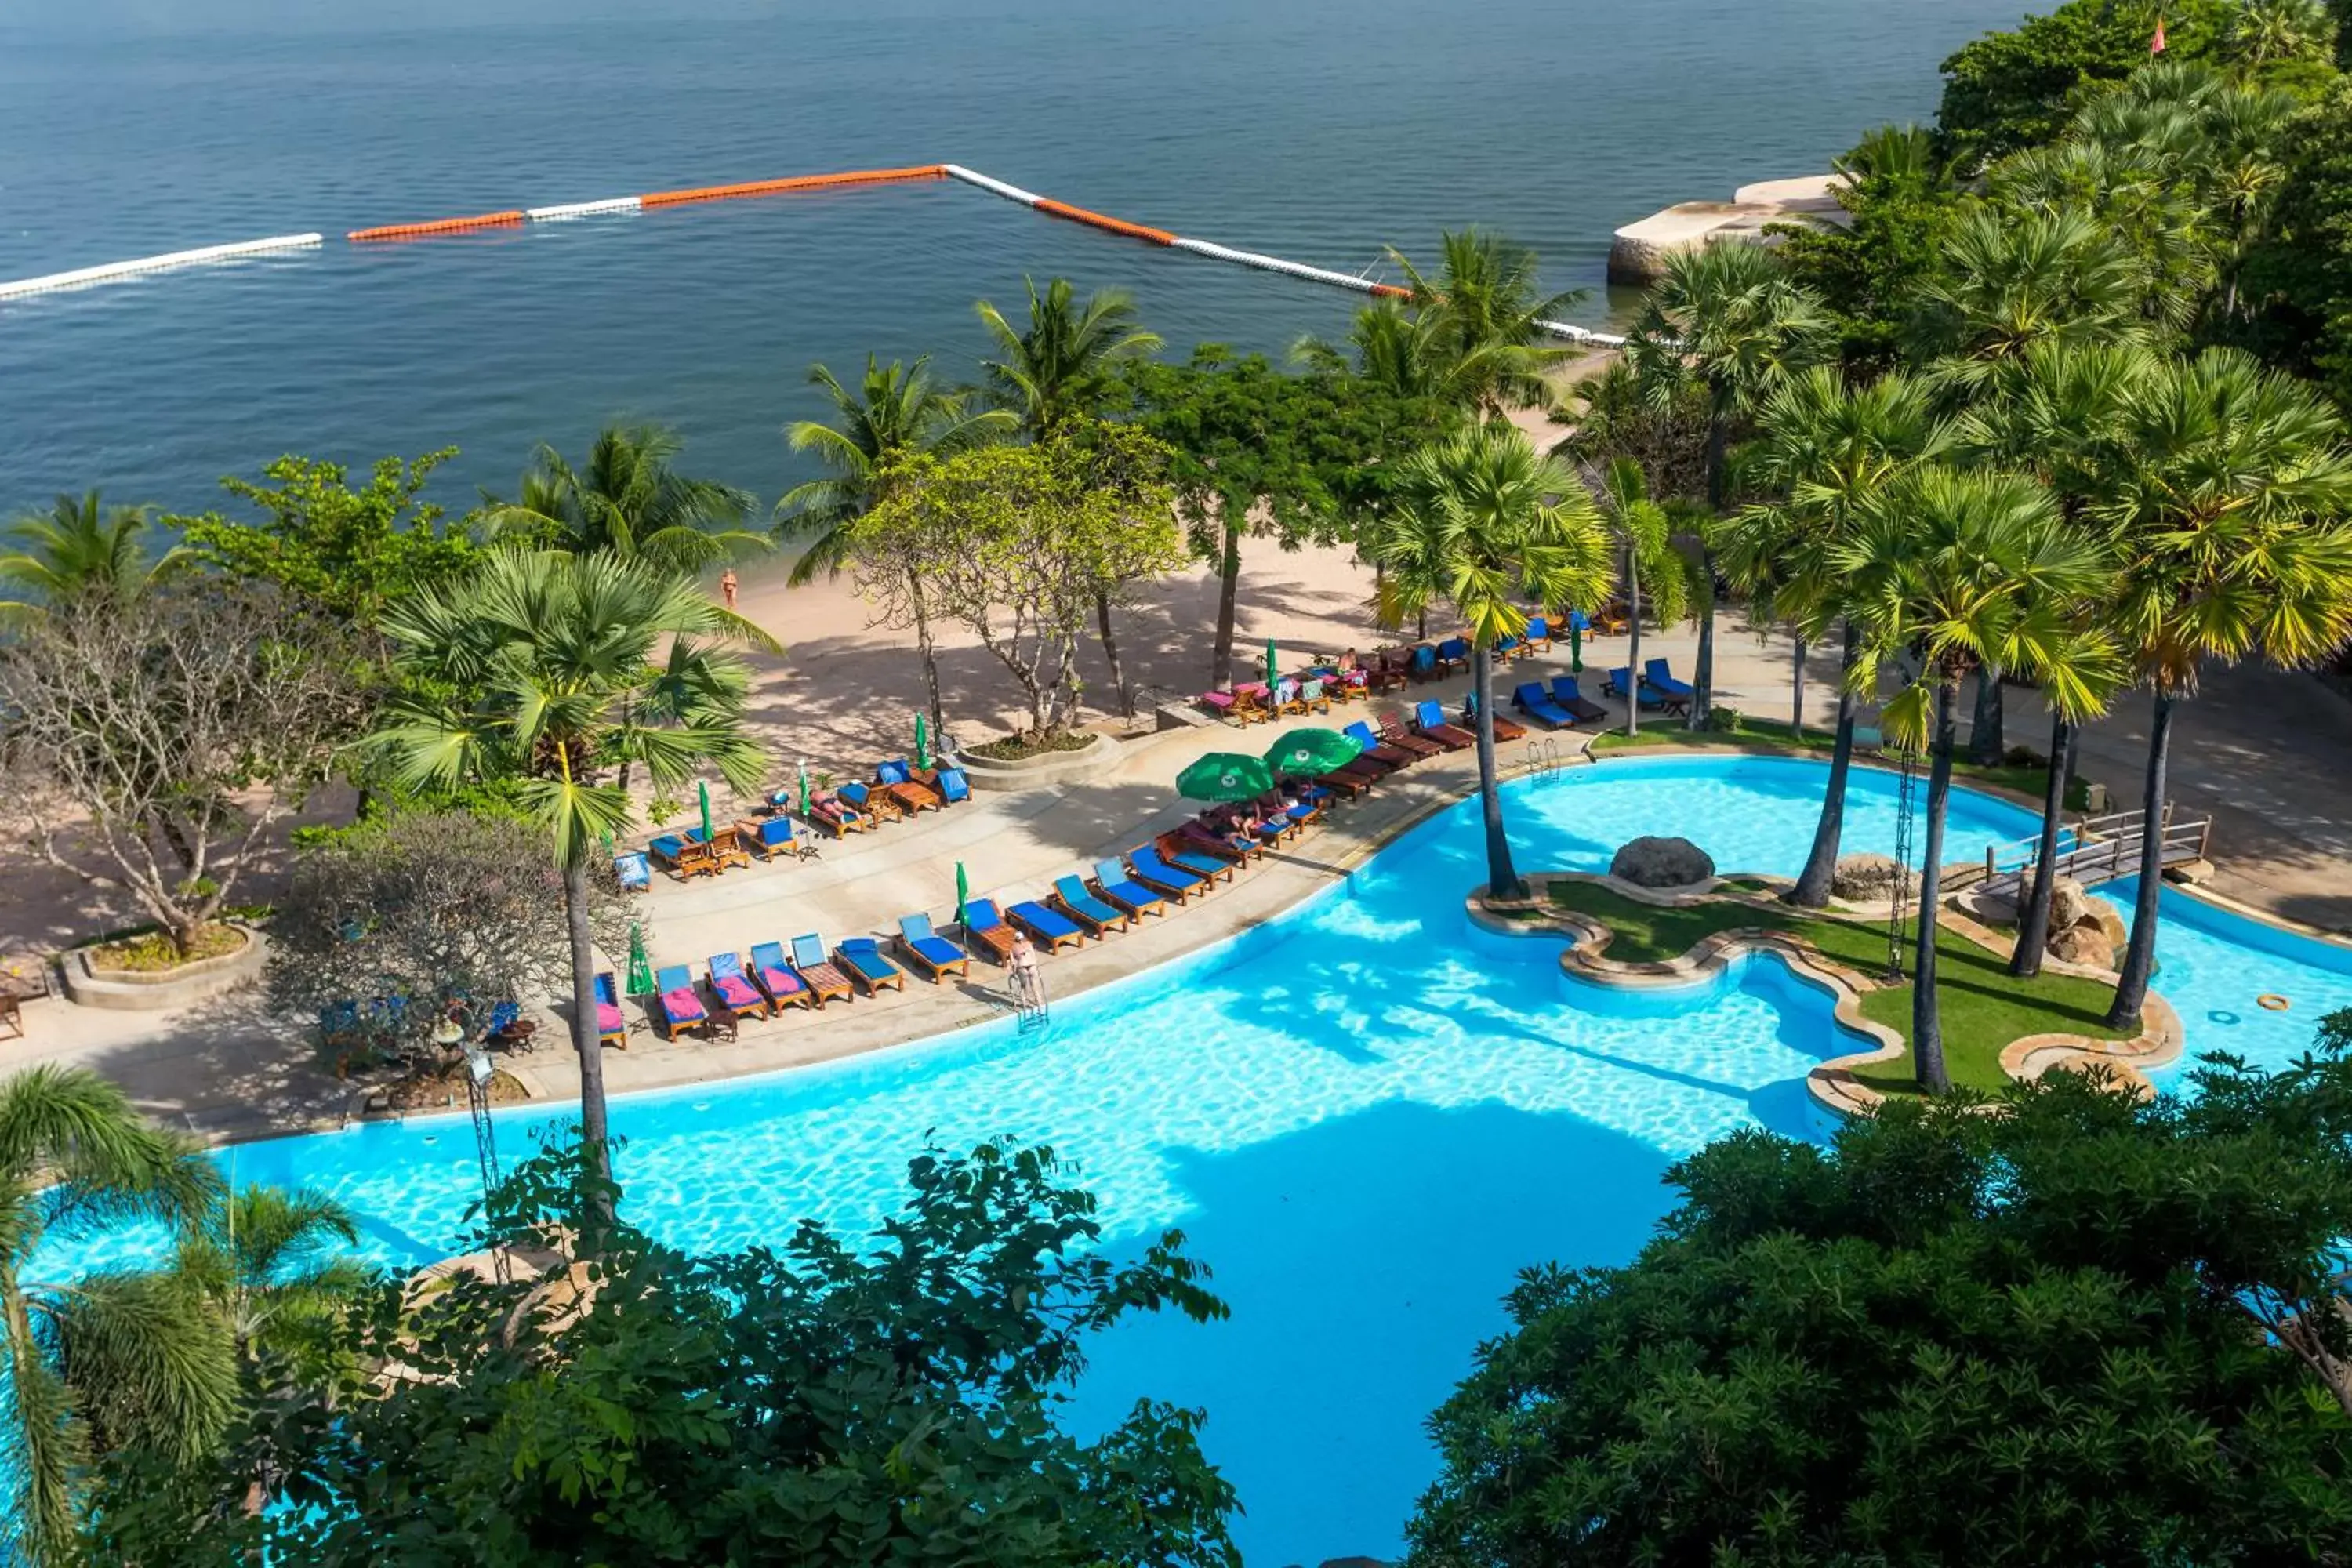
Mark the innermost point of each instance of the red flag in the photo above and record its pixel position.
(2156, 44)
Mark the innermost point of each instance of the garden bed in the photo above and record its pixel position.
(1023, 748)
(151, 953)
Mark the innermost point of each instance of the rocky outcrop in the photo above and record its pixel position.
(1651, 862)
(1871, 879)
(2084, 944)
(1639, 252)
(2070, 905)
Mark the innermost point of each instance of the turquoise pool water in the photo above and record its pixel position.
(1367, 1117)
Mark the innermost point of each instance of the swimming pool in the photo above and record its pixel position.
(1367, 1116)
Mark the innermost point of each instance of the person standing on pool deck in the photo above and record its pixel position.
(727, 587)
(1027, 989)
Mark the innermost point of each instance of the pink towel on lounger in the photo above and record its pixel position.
(736, 991)
(608, 1019)
(681, 1004)
(780, 982)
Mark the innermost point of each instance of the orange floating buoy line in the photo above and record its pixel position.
(566, 211)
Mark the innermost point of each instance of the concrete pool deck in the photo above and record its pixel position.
(2265, 752)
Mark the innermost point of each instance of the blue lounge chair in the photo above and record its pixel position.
(954, 788)
(1531, 699)
(634, 873)
(984, 928)
(1568, 695)
(1377, 752)
(1539, 632)
(880, 805)
(1429, 722)
(675, 1002)
(928, 950)
(773, 835)
(1050, 928)
(817, 972)
(612, 1029)
(1118, 889)
(1508, 648)
(774, 974)
(863, 957)
(1454, 653)
(1620, 684)
(1661, 673)
(1425, 664)
(734, 988)
(1089, 911)
(1177, 882)
(667, 846)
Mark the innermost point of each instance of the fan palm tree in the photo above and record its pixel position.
(1061, 367)
(1484, 524)
(80, 546)
(1829, 451)
(2230, 518)
(1730, 317)
(113, 1358)
(268, 1260)
(549, 661)
(897, 412)
(2264, 32)
(630, 501)
(2012, 279)
(1481, 322)
(1965, 567)
(1643, 537)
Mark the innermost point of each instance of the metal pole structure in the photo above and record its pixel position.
(446, 1034)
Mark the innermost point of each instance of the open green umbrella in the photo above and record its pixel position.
(1225, 776)
(964, 892)
(702, 788)
(641, 968)
(923, 743)
(1312, 752)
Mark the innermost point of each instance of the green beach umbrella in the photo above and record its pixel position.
(1225, 776)
(1575, 642)
(702, 788)
(923, 743)
(641, 968)
(804, 789)
(964, 892)
(1312, 752)
(1271, 665)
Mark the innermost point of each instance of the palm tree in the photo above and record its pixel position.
(1731, 318)
(1396, 348)
(896, 413)
(1059, 368)
(267, 1261)
(1643, 537)
(628, 501)
(1965, 567)
(2261, 32)
(1482, 523)
(1829, 451)
(2229, 517)
(549, 661)
(2015, 279)
(1482, 321)
(117, 1357)
(81, 546)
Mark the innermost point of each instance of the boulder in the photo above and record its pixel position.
(1870, 878)
(2070, 904)
(2083, 944)
(1650, 862)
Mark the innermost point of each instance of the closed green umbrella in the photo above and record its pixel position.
(1312, 752)
(702, 788)
(1272, 666)
(1576, 641)
(964, 892)
(641, 968)
(1225, 776)
(804, 789)
(923, 743)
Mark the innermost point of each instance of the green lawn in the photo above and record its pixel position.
(1760, 732)
(1984, 1007)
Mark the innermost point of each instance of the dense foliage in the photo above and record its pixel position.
(2093, 1328)
(892, 1398)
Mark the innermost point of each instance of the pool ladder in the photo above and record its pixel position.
(1546, 756)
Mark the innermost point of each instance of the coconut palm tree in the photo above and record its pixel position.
(1481, 322)
(272, 1265)
(1642, 533)
(1060, 367)
(630, 501)
(116, 1357)
(2229, 517)
(80, 546)
(1964, 567)
(558, 668)
(1396, 348)
(1730, 318)
(1484, 524)
(1828, 450)
(897, 412)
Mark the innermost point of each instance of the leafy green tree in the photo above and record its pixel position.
(2007, 91)
(116, 1358)
(824, 1400)
(2093, 1328)
(1614, 416)
(350, 552)
(1484, 525)
(1730, 318)
(1900, 204)
(2264, 32)
(1969, 569)
(551, 668)
(2298, 278)
(80, 547)
(2229, 511)
(630, 501)
(1484, 314)
(897, 412)
(1827, 451)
